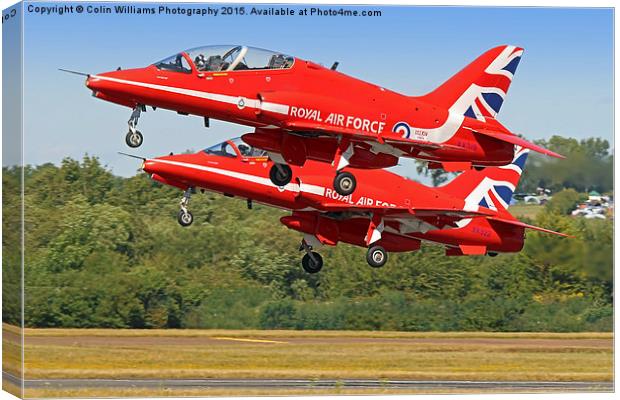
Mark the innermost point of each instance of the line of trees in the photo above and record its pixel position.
(588, 166)
(105, 251)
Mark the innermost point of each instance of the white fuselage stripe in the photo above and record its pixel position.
(291, 187)
(222, 98)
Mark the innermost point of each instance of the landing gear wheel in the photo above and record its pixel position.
(185, 218)
(492, 254)
(280, 174)
(345, 183)
(479, 168)
(134, 139)
(376, 256)
(312, 266)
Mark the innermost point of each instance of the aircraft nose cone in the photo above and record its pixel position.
(149, 166)
(92, 83)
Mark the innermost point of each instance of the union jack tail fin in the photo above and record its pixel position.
(491, 187)
(479, 89)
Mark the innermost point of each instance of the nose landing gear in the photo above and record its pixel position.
(134, 138)
(185, 217)
(312, 262)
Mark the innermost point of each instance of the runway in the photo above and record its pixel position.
(417, 385)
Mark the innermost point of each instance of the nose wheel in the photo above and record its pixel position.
(280, 174)
(134, 138)
(376, 256)
(345, 183)
(312, 262)
(185, 217)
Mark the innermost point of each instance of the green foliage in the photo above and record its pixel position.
(11, 245)
(103, 251)
(438, 175)
(564, 201)
(588, 165)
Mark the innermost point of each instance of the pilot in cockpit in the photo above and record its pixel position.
(200, 62)
(245, 150)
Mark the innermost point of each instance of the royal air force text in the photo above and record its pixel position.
(338, 120)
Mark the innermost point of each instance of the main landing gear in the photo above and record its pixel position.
(344, 182)
(280, 174)
(312, 262)
(185, 217)
(376, 256)
(134, 138)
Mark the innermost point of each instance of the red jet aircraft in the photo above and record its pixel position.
(387, 213)
(303, 111)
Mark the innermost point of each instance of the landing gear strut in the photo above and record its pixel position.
(344, 182)
(185, 217)
(376, 256)
(280, 174)
(312, 262)
(134, 138)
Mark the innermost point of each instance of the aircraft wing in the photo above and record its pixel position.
(328, 130)
(357, 135)
(430, 212)
(514, 139)
(409, 219)
(527, 226)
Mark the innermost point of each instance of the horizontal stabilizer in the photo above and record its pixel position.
(527, 226)
(516, 140)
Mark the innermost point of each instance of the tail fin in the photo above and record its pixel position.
(491, 187)
(479, 89)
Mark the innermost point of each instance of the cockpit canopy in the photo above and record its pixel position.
(233, 148)
(226, 58)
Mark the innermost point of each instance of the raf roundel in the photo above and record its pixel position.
(403, 129)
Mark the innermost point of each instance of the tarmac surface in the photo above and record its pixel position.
(507, 386)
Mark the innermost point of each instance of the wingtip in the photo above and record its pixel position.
(560, 156)
(563, 235)
(554, 154)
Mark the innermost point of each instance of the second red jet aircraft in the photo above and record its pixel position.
(388, 213)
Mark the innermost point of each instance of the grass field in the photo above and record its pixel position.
(77, 353)
(525, 210)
